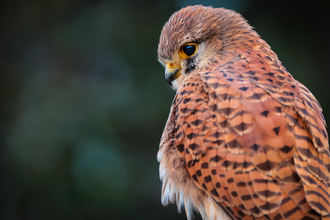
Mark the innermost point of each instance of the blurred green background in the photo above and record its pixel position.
(83, 100)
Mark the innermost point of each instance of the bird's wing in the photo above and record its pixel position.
(254, 138)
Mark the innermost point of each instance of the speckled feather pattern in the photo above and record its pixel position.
(244, 139)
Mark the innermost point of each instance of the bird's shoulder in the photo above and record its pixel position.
(248, 79)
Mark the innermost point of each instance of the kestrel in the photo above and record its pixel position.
(244, 139)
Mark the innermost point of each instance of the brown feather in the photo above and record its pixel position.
(244, 139)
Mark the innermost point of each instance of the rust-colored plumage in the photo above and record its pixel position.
(244, 139)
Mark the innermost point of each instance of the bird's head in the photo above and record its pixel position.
(196, 37)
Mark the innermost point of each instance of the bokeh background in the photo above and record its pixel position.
(83, 100)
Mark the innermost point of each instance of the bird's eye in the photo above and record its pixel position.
(188, 50)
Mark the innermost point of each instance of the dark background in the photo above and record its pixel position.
(83, 100)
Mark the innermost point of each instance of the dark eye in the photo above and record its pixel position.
(189, 50)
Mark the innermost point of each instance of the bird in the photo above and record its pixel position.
(243, 139)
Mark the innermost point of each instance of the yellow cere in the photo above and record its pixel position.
(170, 65)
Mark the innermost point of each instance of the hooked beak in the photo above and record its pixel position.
(171, 73)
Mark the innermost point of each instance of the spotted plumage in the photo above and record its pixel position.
(244, 139)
